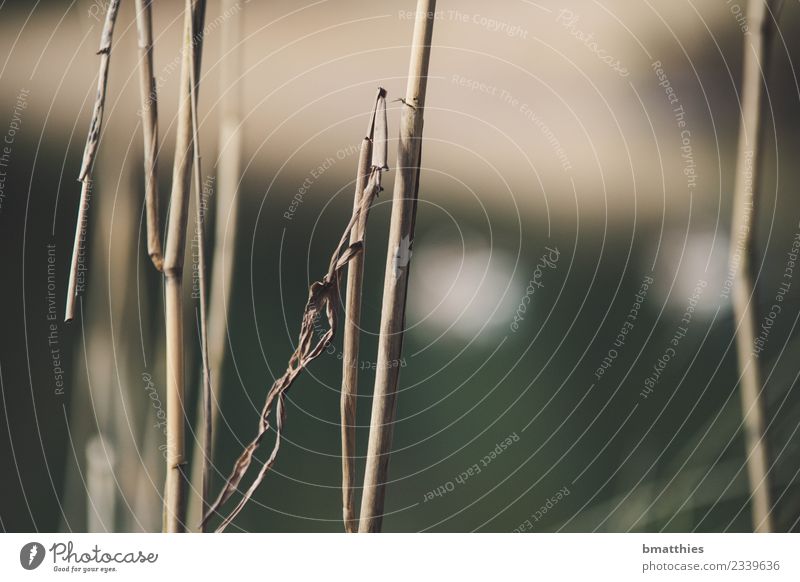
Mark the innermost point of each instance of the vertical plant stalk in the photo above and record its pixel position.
(395, 286)
(230, 143)
(323, 297)
(355, 275)
(176, 485)
(226, 211)
(743, 257)
(89, 154)
(202, 312)
(149, 113)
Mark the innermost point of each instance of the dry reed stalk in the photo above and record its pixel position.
(89, 154)
(230, 140)
(401, 236)
(742, 256)
(226, 222)
(202, 311)
(176, 486)
(149, 112)
(322, 301)
(355, 275)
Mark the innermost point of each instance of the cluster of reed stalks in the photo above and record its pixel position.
(186, 169)
(323, 299)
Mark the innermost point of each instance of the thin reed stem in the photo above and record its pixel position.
(401, 237)
(355, 276)
(202, 314)
(230, 143)
(74, 288)
(743, 257)
(221, 268)
(149, 113)
(176, 486)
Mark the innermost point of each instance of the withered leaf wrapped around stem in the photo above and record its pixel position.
(322, 301)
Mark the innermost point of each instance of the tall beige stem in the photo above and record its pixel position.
(176, 486)
(355, 275)
(401, 236)
(742, 255)
(226, 211)
(228, 175)
(202, 309)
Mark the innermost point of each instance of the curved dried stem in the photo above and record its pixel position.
(743, 254)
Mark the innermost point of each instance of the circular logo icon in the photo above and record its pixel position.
(31, 555)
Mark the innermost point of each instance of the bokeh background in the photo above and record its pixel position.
(535, 147)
